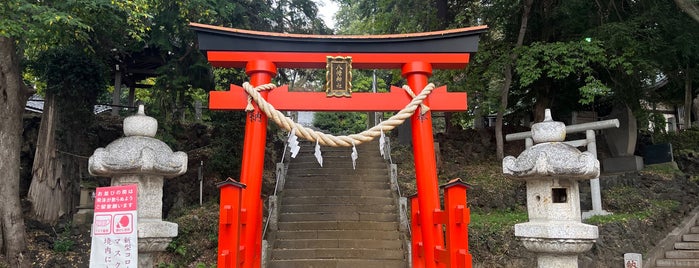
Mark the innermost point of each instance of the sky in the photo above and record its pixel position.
(327, 9)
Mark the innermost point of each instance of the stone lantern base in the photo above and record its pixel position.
(557, 243)
(153, 236)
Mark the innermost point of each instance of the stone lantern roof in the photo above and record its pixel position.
(138, 152)
(550, 156)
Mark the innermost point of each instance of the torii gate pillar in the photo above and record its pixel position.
(260, 72)
(417, 74)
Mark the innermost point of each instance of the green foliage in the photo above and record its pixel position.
(71, 73)
(652, 120)
(193, 227)
(362, 81)
(497, 221)
(64, 240)
(625, 199)
(177, 248)
(681, 141)
(227, 143)
(385, 17)
(297, 16)
(561, 60)
(666, 170)
(492, 233)
(104, 27)
(341, 123)
(198, 265)
(653, 208)
(74, 77)
(30, 19)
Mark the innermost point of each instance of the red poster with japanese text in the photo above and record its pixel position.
(114, 228)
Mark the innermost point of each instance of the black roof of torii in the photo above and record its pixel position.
(216, 38)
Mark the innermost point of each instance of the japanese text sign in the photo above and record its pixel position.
(114, 227)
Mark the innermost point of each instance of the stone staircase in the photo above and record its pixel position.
(682, 245)
(337, 216)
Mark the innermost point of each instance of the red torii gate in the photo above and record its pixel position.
(261, 53)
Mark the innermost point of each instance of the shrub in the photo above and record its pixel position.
(64, 242)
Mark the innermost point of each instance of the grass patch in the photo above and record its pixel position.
(656, 208)
(197, 238)
(666, 171)
(492, 234)
(497, 220)
(617, 217)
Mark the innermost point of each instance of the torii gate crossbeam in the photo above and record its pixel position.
(261, 53)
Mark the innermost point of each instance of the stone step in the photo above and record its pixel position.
(331, 192)
(337, 253)
(337, 200)
(361, 150)
(339, 243)
(326, 180)
(366, 146)
(694, 230)
(310, 179)
(328, 151)
(333, 184)
(682, 254)
(286, 208)
(690, 238)
(335, 263)
(337, 225)
(330, 164)
(344, 172)
(335, 161)
(339, 157)
(687, 245)
(337, 216)
(677, 263)
(338, 234)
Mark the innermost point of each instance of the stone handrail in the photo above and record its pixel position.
(611, 123)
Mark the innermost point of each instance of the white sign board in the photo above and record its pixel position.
(114, 230)
(633, 260)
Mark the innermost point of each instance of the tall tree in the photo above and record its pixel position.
(679, 55)
(653, 54)
(73, 77)
(387, 16)
(526, 8)
(690, 7)
(186, 74)
(13, 96)
(22, 25)
(72, 70)
(297, 16)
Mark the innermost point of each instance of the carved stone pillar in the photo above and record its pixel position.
(552, 170)
(139, 158)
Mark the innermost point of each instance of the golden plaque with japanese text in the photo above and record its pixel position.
(339, 76)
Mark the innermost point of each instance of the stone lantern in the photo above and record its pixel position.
(139, 158)
(552, 170)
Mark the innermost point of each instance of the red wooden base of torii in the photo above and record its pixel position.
(261, 53)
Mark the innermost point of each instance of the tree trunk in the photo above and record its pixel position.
(13, 96)
(689, 7)
(688, 98)
(543, 102)
(51, 188)
(499, 139)
(442, 13)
